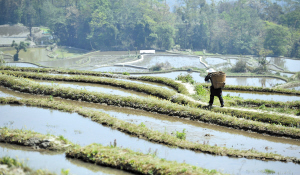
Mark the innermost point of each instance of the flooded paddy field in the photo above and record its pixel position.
(95, 88)
(262, 95)
(54, 161)
(58, 123)
(83, 131)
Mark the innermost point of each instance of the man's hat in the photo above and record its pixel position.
(210, 70)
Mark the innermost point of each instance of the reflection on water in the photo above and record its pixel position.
(240, 81)
(21, 65)
(54, 162)
(262, 96)
(119, 69)
(253, 81)
(295, 88)
(175, 61)
(32, 54)
(288, 64)
(173, 75)
(214, 61)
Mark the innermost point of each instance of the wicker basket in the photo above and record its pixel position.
(218, 79)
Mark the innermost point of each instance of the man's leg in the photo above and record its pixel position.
(211, 101)
(221, 100)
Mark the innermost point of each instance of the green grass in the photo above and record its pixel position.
(20, 136)
(133, 161)
(268, 171)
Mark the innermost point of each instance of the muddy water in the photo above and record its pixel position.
(288, 64)
(95, 88)
(262, 95)
(176, 61)
(63, 63)
(52, 161)
(83, 131)
(119, 69)
(32, 54)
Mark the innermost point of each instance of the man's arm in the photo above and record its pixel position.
(207, 77)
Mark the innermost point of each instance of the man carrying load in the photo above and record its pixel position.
(217, 80)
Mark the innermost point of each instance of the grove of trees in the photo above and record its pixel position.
(225, 27)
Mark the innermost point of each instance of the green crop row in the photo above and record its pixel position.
(256, 89)
(148, 134)
(167, 81)
(166, 94)
(139, 163)
(148, 104)
(21, 137)
(16, 167)
(151, 90)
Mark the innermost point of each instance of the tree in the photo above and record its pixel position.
(277, 39)
(19, 47)
(2, 61)
(262, 60)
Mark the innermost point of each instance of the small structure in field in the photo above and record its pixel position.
(147, 51)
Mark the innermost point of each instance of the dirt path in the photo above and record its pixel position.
(192, 91)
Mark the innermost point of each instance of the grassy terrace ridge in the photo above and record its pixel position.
(155, 91)
(33, 139)
(256, 75)
(167, 94)
(149, 104)
(256, 89)
(111, 156)
(145, 133)
(126, 159)
(167, 81)
(13, 166)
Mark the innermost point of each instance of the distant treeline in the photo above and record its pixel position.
(236, 27)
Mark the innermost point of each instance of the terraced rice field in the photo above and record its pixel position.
(152, 115)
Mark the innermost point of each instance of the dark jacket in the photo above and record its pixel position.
(213, 91)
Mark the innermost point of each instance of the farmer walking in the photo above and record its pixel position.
(214, 91)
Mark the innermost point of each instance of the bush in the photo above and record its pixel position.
(160, 66)
(187, 78)
(126, 73)
(200, 90)
(240, 66)
(181, 135)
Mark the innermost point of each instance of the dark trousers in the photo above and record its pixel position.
(211, 101)
(215, 92)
